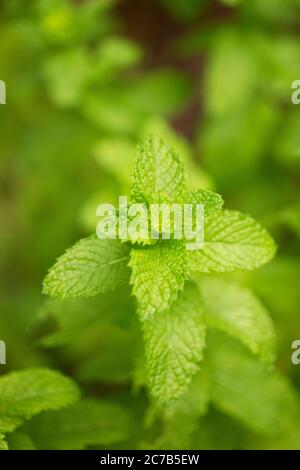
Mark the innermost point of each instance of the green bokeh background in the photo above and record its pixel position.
(86, 80)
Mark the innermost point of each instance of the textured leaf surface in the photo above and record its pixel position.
(232, 241)
(26, 393)
(158, 273)
(212, 201)
(158, 174)
(236, 311)
(88, 268)
(87, 423)
(243, 388)
(174, 343)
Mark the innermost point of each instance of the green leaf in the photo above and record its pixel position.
(174, 343)
(88, 268)
(158, 174)
(28, 392)
(212, 201)
(243, 388)
(232, 241)
(87, 423)
(142, 234)
(236, 311)
(209, 199)
(158, 273)
(157, 125)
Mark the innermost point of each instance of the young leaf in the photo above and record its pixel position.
(174, 343)
(158, 174)
(236, 311)
(212, 201)
(232, 241)
(87, 423)
(158, 273)
(89, 267)
(28, 392)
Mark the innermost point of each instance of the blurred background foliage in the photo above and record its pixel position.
(86, 80)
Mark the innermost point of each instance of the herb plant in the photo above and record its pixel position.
(144, 345)
(170, 304)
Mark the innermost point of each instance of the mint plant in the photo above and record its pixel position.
(174, 304)
(82, 93)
